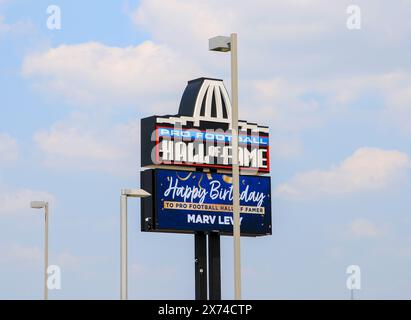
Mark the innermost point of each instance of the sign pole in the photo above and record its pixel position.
(200, 256)
(214, 265)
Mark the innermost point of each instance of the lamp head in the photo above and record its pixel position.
(135, 193)
(219, 43)
(38, 204)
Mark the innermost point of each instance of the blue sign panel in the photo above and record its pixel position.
(197, 201)
(209, 136)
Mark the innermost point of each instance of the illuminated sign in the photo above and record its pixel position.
(188, 161)
(189, 201)
(200, 134)
(209, 149)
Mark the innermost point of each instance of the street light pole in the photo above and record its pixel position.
(125, 193)
(45, 205)
(236, 169)
(123, 247)
(225, 44)
(46, 250)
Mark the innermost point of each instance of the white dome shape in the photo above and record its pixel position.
(213, 102)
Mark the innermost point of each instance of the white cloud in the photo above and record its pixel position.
(182, 22)
(16, 201)
(99, 75)
(266, 20)
(291, 107)
(298, 34)
(74, 144)
(271, 33)
(303, 40)
(8, 149)
(282, 104)
(392, 90)
(367, 169)
(95, 74)
(296, 105)
(364, 228)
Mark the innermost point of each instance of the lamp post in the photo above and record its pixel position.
(45, 205)
(225, 44)
(125, 193)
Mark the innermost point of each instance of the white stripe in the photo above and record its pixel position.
(209, 100)
(199, 100)
(227, 101)
(218, 102)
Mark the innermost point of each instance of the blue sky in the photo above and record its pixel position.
(338, 103)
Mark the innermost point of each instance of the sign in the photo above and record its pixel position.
(188, 162)
(189, 201)
(209, 149)
(200, 134)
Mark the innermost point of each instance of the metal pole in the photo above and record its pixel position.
(236, 169)
(123, 247)
(200, 263)
(46, 249)
(214, 266)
